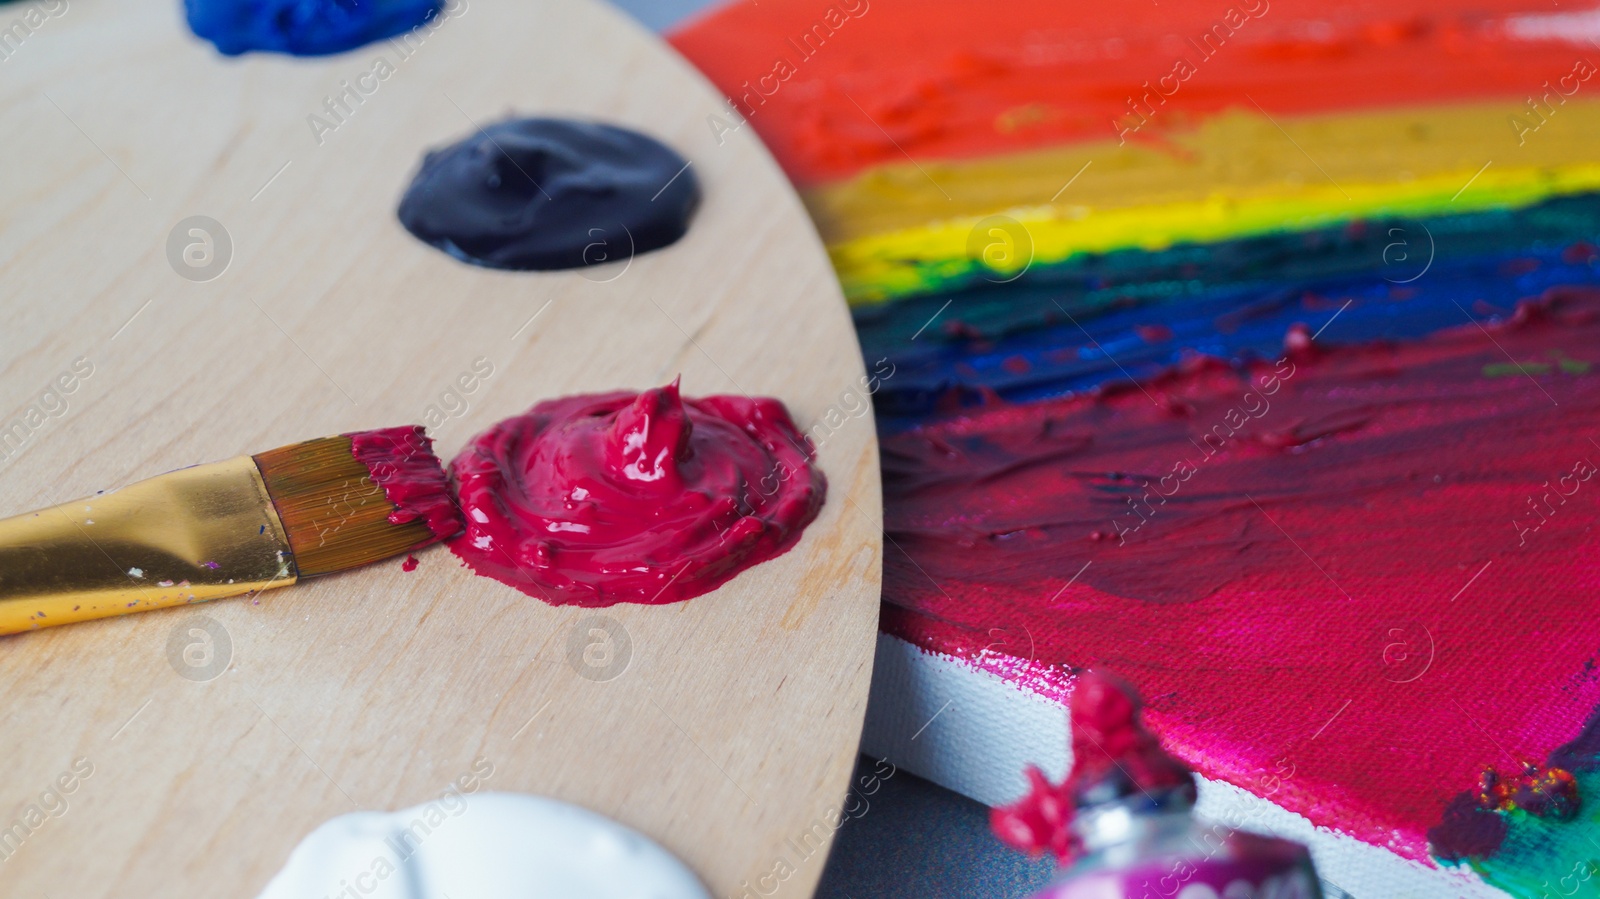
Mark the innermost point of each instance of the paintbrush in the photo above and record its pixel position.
(224, 529)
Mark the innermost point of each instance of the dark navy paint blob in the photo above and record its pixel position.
(303, 27)
(550, 194)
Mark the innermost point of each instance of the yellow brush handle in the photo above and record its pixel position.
(184, 537)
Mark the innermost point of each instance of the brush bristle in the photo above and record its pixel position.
(335, 497)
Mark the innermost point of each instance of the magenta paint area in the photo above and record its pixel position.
(401, 462)
(303, 27)
(1349, 579)
(634, 497)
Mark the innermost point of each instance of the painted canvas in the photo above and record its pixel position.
(1247, 347)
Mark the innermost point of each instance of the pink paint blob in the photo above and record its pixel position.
(634, 497)
(410, 564)
(402, 463)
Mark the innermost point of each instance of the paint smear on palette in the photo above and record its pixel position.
(634, 497)
(1251, 539)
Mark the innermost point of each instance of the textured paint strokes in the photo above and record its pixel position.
(838, 88)
(1379, 582)
(1528, 827)
(1235, 176)
(1238, 156)
(1365, 529)
(1129, 313)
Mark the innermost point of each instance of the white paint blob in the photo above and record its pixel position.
(483, 846)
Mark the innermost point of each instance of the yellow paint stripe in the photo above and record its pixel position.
(901, 229)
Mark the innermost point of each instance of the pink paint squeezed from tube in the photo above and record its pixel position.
(1122, 824)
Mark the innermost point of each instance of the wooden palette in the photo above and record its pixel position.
(218, 735)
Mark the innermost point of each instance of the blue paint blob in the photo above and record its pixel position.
(303, 27)
(540, 194)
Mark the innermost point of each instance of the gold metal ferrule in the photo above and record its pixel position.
(185, 537)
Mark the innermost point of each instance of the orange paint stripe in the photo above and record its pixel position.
(837, 88)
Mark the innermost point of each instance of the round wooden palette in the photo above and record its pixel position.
(216, 736)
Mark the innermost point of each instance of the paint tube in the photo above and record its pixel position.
(1123, 822)
(1153, 847)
